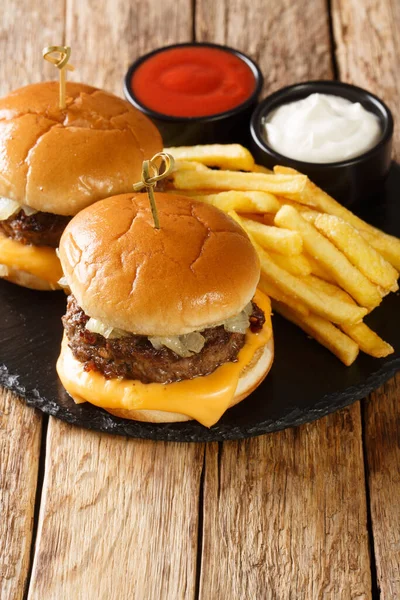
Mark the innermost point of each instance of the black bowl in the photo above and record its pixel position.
(229, 126)
(349, 181)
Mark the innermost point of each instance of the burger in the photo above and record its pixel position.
(167, 324)
(54, 162)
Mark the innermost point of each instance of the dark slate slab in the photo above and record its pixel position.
(306, 382)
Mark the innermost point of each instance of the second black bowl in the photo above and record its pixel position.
(229, 126)
(349, 181)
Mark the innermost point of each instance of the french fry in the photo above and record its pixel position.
(257, 202)
(297, 264)
(367, 260)
(297, 205)
(276, 239)
(334, 261)
(367, 340)
(330, 308)
(269, 288)
(318, 260)
(232, 180)
(189, 165)
(324, 306)
(190, 193)
(317, 269)
(225, 156)
(383, 245)
(306, 212)
(323, 332)
(331, 289)
(311, 195)
(260, 169)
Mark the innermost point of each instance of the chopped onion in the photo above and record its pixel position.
(96, 326)
(239, 323)
(194, 341)
(28, 210)
(182, 345)
(63, 282)
(4, 271)
(173, 343)
(8, 208)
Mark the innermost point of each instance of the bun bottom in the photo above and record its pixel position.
(25, 279)
(250, 378)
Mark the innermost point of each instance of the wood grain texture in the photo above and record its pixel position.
(382, 436)
(106, 35)
(26, 26)
(286, 516)
(368, 49)
(20, 433)
(118, 519)
(290, 40)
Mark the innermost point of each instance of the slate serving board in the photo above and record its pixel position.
(306, 382)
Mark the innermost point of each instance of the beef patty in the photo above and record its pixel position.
(134, 357)
(39, 229)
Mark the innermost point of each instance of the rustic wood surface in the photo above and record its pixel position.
(368, 49)
(119, 518)
(20, 433)
(368, 54)
(284, 516)
(382, 436)
(24, 29)
(286, 513)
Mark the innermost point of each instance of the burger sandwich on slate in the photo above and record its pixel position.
(54, 162)
(166, 324)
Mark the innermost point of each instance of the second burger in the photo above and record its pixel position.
(54, 162)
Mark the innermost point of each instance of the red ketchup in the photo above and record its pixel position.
(192, 81)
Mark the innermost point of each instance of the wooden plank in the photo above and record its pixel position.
(20, 433)
(289, 40)
(368, 49)
(119, 518)
(107, 36)
(286, 515)
(26, 27)
(382, 440)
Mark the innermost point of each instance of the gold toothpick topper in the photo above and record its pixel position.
(63, 54)
(151, 173)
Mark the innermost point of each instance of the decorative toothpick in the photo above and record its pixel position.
(63, 54)
(151, 173)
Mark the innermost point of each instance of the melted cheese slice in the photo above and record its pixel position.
(41, 261)
(203, 398)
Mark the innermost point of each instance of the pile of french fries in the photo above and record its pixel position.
(322, 266)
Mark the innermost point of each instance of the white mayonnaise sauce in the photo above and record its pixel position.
(321, 129)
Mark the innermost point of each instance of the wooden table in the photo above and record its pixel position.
(308, 513)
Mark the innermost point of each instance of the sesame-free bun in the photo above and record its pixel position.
(249, 380)
(197, 270)
(61, 161)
